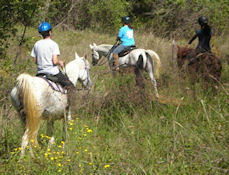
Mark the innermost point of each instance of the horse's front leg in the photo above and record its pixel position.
(66, 120)
(50, 132)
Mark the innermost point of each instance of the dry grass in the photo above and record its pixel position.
(120, 129)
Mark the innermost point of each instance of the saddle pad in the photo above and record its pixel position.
(55, 86)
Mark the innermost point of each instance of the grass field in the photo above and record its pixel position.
(118, 128)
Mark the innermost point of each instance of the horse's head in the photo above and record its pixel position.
(95, 54)
(184, 54)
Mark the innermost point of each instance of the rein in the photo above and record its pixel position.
(108, 53)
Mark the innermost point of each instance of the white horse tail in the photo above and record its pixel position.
(30, 106)
(157, 60)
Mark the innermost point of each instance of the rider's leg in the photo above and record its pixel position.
(115, 58)
(196, 55)
(116, 51)
(65, 82)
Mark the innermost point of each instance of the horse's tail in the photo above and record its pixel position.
(30, 105)
(157, 60)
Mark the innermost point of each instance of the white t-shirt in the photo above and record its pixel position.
(43, 51)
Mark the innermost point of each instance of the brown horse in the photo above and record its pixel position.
(199, 65)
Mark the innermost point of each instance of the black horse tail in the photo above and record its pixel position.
(140, 62)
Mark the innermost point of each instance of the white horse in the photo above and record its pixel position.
(35, 100)
(131, 59)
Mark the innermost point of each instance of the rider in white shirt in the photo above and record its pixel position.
(45, 54)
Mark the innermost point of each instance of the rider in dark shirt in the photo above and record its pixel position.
(204, 35)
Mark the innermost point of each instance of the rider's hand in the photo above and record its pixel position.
(61, 63)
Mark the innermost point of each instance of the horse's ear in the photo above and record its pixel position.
(94, 44)
(76, 55)
(90, 46)
(85, 56)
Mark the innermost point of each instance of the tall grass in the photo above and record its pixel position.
(121, 129)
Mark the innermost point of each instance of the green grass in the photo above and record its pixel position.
(119, 129)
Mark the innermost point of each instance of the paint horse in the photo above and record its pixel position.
(35, 100)
(140, 58)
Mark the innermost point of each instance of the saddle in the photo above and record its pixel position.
(52, 81)
(126, 51)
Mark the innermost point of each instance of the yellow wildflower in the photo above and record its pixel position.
(69, 160)
(89, 130)
(62, 142)
(51, 158)
(59, 164)
(32, 141)
(106, 166)
(59, 171)
(70, 129)
(46, 155)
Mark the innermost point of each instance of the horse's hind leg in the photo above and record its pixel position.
(24, 142)
(50, 132)
(153, 80)
(139, 78)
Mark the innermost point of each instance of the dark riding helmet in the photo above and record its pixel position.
(44, 26)
(126, 19)
(202, 20)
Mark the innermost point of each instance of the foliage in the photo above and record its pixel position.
(175, 18)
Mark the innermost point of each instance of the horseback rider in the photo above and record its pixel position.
(45, 54)
(204, 35)
(126, 36)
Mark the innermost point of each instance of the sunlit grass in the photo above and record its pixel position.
(118, 129)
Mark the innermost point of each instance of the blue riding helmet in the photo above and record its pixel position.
(126, 19)
(44, 26)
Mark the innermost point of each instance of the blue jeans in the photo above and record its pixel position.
(119, 49)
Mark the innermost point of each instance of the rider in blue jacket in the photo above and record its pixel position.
(126, 36)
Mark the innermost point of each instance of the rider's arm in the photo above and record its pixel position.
(56, 61)
(193, 38)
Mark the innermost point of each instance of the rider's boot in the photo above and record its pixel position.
(115, 58)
